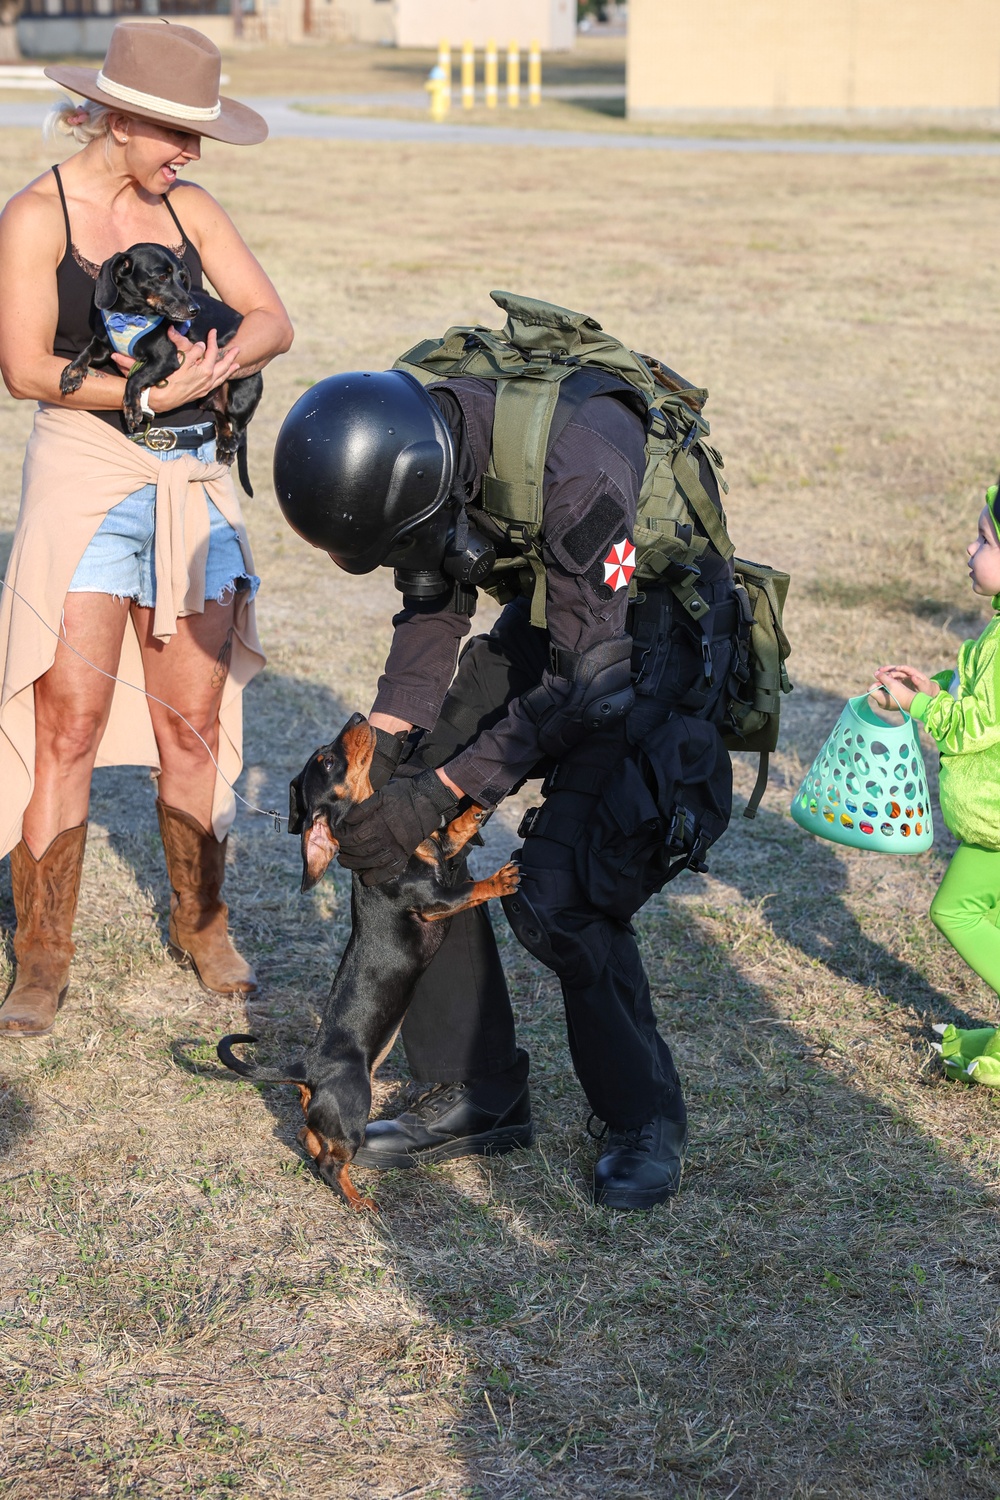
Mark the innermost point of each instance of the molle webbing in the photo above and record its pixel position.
(546, 362)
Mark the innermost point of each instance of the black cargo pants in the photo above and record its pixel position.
(460, 1024)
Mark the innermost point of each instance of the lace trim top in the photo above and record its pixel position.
(93, 271)
(75, 277)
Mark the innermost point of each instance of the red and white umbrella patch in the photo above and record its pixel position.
(619, 565)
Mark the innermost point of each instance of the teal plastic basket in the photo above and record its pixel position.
(867, 787)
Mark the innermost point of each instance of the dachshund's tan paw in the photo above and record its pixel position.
(507, 878)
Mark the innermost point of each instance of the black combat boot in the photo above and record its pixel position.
(483, 1117)
(641, 1167)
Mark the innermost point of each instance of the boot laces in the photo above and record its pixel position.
(443, 1093)
(638, 1138)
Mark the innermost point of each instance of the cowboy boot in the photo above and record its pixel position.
(46, 891)
(196, 866)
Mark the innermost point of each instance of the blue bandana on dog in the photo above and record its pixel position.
(124, 330)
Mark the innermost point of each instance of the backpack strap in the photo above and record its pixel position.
(697, 497)
(531, 414)
(759, 786)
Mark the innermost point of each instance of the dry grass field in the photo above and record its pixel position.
(186, 1309)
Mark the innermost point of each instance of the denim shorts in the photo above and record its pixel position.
(119, 559)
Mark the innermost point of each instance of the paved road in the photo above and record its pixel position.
(285, 120)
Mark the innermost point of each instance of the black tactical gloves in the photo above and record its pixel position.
(388, 749)
(378, 836)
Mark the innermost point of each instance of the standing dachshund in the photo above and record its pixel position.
(140, 294)
(397, 927)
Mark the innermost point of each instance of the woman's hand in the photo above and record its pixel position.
(204, 366)
(903, 683)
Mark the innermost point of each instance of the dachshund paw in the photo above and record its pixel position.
(70, 380)
(508, 878)
(134, 418)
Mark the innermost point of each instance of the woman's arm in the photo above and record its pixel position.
(237, 276)
(31, 239)
(31, 236)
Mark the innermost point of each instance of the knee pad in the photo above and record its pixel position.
(570, 942)
(529, 926)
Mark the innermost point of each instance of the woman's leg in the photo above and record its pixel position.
(188, 673)
(72, 703)
(966, 909)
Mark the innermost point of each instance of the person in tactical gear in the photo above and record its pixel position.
(609, 699)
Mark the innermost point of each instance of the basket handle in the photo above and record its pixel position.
(883, 689)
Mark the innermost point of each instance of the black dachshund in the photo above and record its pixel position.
(397, 927)
(140, 294)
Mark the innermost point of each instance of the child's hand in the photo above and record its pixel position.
(903, 683)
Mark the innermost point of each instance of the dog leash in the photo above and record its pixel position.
(264, 812)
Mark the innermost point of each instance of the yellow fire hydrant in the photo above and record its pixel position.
(439, 88)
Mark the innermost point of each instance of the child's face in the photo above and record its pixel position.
(984, 557)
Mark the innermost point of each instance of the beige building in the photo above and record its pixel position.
(423, 23)
(811, 57)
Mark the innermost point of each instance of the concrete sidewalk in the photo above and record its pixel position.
(285, 120)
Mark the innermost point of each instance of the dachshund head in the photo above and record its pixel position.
(334, 778)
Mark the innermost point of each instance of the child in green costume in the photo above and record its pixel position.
(960, 710)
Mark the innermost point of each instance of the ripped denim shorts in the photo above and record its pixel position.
(119, 559)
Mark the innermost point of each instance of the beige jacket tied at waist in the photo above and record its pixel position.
(75, 469)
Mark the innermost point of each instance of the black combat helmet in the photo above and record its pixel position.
(362, 462)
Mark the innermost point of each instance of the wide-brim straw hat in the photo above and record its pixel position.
(144, 59)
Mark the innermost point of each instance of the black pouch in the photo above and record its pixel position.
(666, 802)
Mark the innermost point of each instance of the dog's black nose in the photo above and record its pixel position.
(354, 721)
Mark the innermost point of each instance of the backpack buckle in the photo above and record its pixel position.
(527, 823)
(656, 424)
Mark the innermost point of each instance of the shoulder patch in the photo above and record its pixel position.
(603, 522)
(607, 574)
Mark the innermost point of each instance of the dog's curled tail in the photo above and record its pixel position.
(296, 1073)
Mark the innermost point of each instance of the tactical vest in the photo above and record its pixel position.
(546, 362)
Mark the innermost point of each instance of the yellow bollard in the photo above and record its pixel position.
(513, 76)
(444, 63)
(535, 76)
(468, 75)
(490, 74)
(440, 93)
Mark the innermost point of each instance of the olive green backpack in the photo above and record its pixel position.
(538, 349)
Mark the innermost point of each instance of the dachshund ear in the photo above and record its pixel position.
(296, 812)
(318, 848)
(108, 289)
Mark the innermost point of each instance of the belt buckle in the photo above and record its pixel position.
(160, 439)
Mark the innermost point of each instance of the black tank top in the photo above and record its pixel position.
(76, 278)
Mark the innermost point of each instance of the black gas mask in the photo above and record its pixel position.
(444, 552)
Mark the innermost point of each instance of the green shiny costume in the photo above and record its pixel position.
(964, 721)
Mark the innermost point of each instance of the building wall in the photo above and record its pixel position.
(813, 55)
(424, 23)
(88, 36)
(371, 21)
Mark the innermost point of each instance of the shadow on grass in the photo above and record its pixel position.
(824, 1273)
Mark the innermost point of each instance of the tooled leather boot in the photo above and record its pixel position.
(196, 866)
(46, 891)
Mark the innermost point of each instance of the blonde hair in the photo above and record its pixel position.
(85, 122)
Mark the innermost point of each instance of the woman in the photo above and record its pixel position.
(132, 550)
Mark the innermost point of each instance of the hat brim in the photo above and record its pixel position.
(237, 124)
